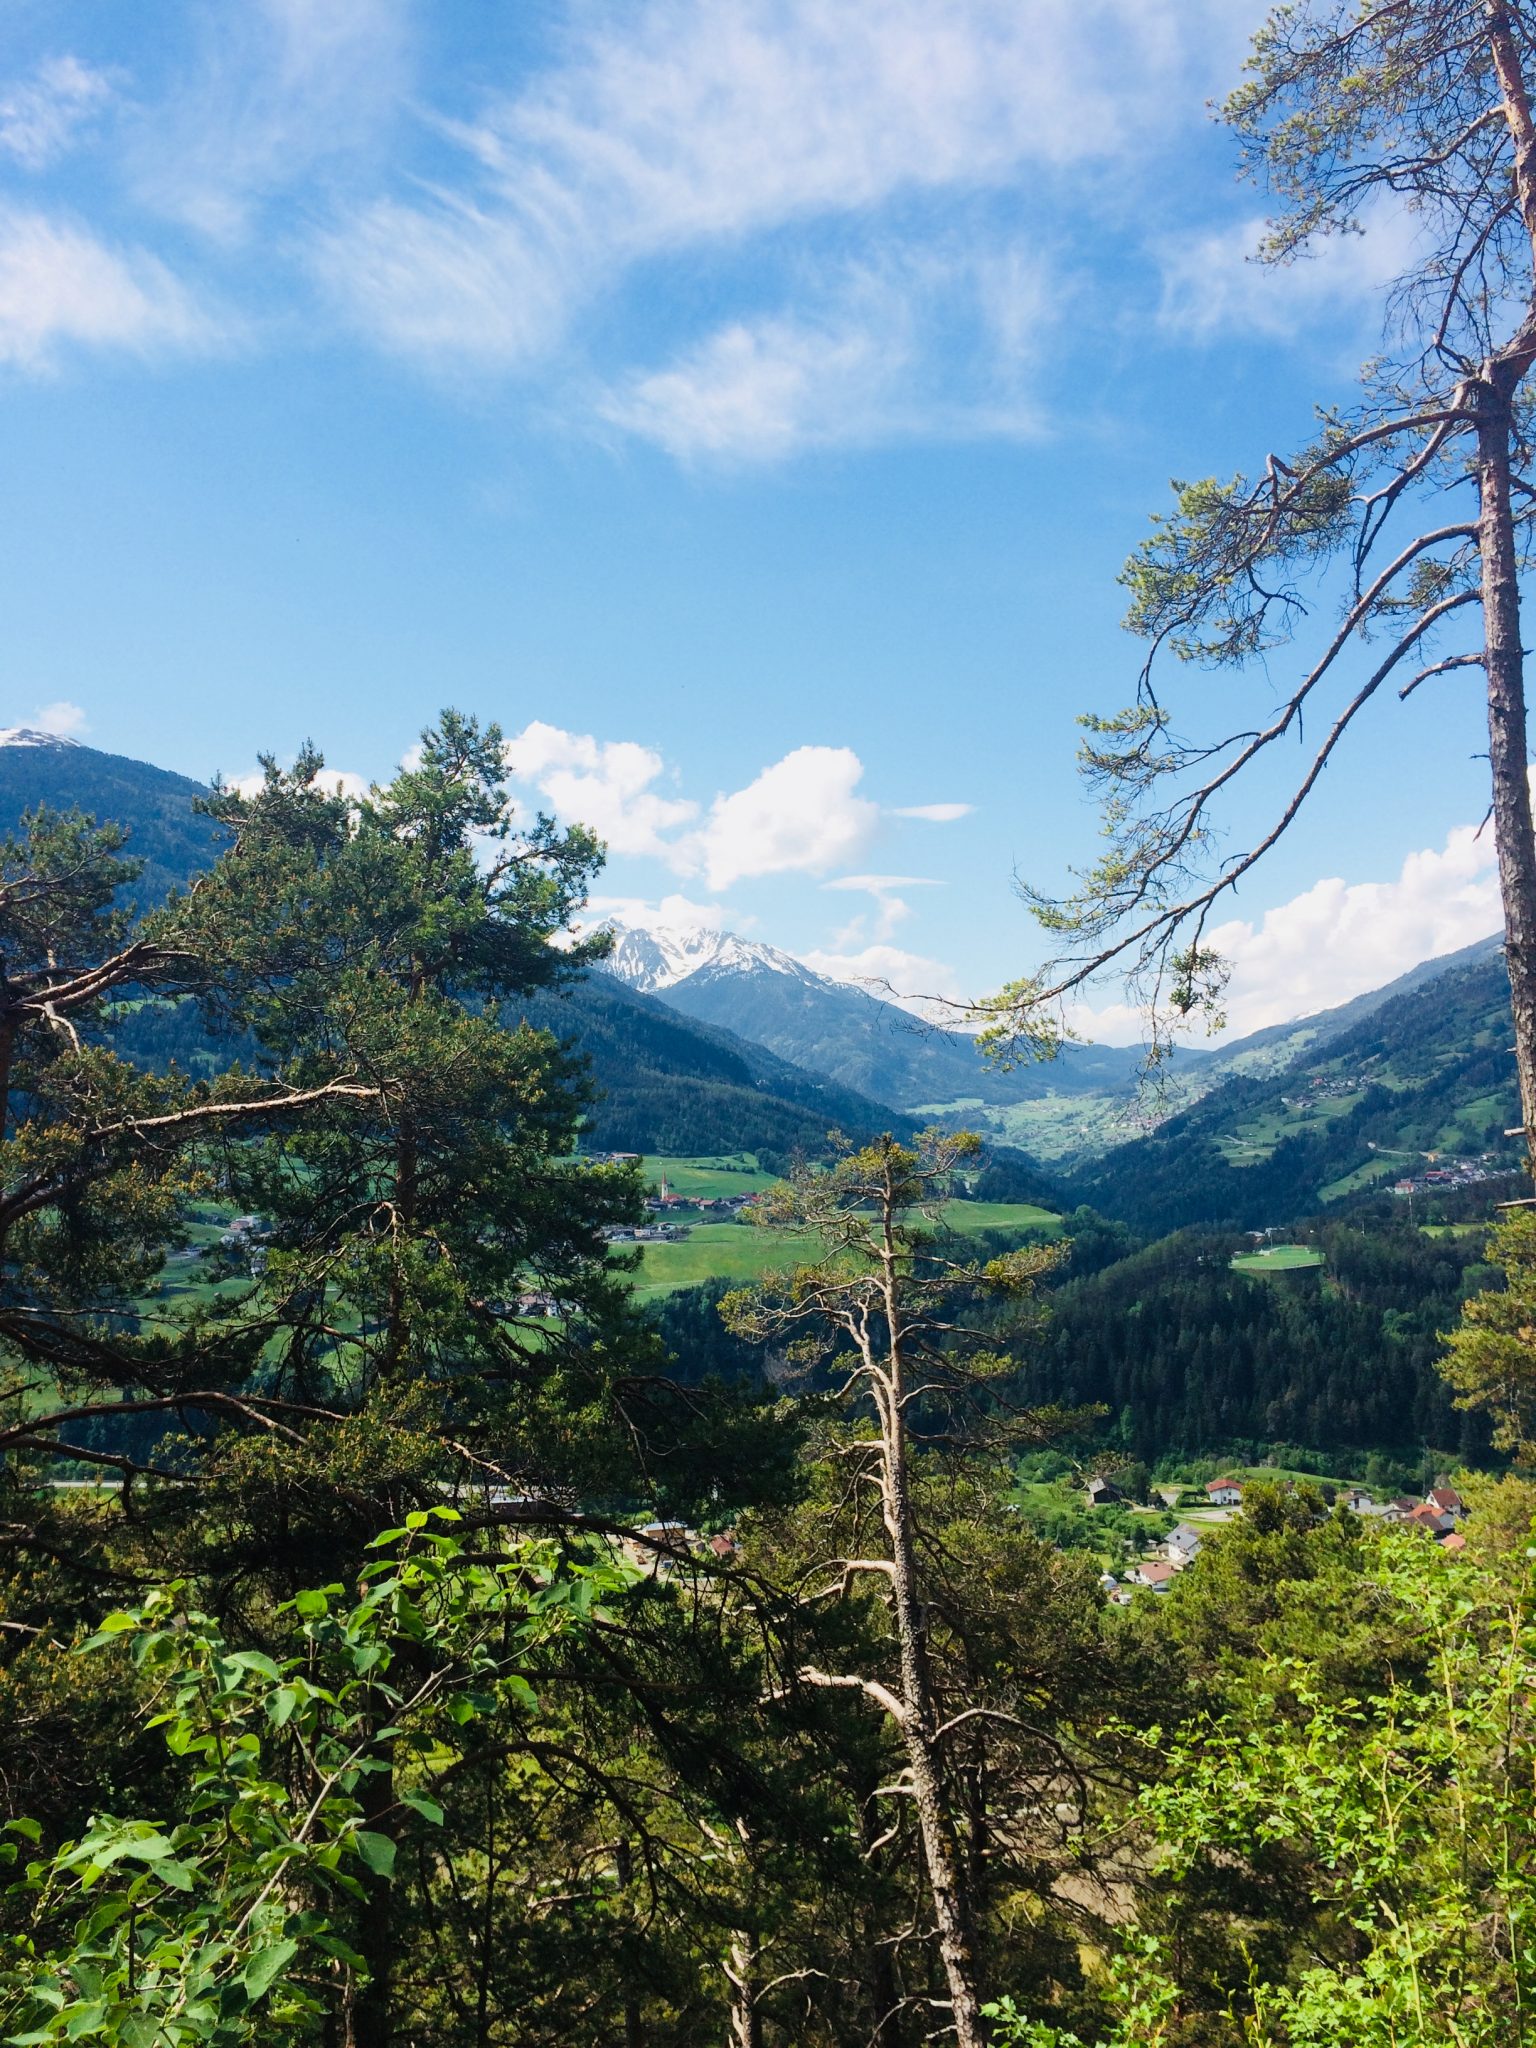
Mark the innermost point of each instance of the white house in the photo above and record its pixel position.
(1224, 1493)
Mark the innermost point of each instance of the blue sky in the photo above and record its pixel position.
(749, 403)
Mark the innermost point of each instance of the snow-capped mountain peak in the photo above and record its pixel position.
(659, 957)
(30, 736)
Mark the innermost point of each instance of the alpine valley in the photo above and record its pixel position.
(703, 1042)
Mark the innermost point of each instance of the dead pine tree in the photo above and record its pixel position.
(885, 1312)
(1404, 522)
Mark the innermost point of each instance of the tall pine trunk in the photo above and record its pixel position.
(1514, 839)
(919, 1728)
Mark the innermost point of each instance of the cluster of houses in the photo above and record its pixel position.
(644, 1233)
(1451, 1173)
(1439, 1515)
(721, 1207)
(662, 1549)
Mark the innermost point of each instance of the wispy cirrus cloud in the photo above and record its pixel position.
(1212, 286)
(691, 129)
(897, 347)
(42, 114)
(267, 97)
(62, 287)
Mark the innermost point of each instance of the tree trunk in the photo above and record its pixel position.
(1514, 840)
(634, 2026)
(741, 1974)
(918, 1729)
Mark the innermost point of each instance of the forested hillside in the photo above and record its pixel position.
(1185, 1353)
(1428, 1073)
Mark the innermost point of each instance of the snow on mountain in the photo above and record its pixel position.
(659, 958)
(29, 736)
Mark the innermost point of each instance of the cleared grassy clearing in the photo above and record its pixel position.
(1280, 1258)
(719, 1251)
(969, 1217)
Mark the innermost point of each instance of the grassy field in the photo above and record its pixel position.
(1280, 1258)
(970, 1217)
(738, 1252)
(734, 1173)
(718, 1251)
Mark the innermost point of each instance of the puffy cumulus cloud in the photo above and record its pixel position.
(934, 814)
(333, 781)
(61, 286)
(672, 914)
(926, 987)
(801, 816)
(1338, 940)
(62, 718)
(41, 115)
(605, 784)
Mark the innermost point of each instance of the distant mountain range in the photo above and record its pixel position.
(705, 1042)
(843, 1032)
(662, 1083)
(173, 842)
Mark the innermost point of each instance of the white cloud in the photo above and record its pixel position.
(892, 909)
(605, 784)
(1338, 940)
(61, 717)
(690, 124)
(41, 115)
(802, 816)
(934, 814)
(272, 91)
(903, 345)
(1212, 286)
(926, 987)
(59, 285)
(331, 781)
(672, 913)
(754, 392)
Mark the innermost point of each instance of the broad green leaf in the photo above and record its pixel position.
(266, 1966)
(377, 1851)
